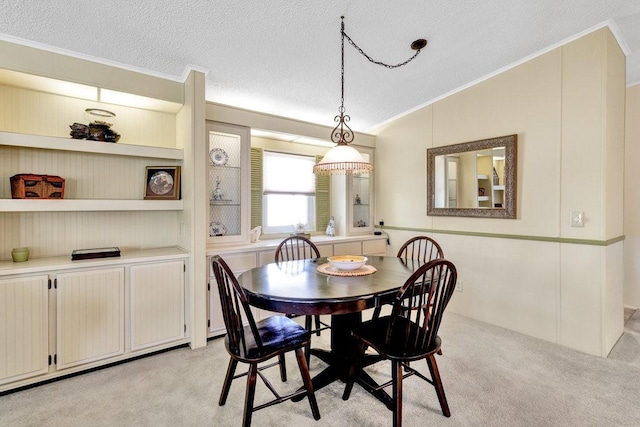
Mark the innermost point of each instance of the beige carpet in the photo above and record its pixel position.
(627, 349)
(492, 377)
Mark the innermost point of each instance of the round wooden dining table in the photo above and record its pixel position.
(298, 287)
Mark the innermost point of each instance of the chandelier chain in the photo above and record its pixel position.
(359, 49)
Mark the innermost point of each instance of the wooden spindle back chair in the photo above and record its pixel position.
(410, 332)
(253, 343)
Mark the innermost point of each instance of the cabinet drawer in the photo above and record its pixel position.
(266, 257)
(239, 262)
(374, 247)
(351, 248)
(325, 250)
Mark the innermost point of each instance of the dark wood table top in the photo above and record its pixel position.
(297, 286)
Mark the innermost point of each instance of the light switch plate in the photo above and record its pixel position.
(577, 219)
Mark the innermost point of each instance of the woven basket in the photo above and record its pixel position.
(30, 186)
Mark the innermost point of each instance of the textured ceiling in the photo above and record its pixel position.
(283, 57)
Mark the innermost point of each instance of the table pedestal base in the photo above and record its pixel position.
(340, 357)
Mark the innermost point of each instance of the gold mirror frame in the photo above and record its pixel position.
(508, 211)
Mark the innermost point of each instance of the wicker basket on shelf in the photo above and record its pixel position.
(32, 186)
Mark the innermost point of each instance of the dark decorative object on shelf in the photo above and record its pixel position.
(97, 130)
(95, 253)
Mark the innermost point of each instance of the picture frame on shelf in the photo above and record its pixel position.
(162, 183)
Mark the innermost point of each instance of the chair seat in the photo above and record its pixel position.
(402, 342)
(278, 333)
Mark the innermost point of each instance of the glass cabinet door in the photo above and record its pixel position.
(227, 182)
(360, 200)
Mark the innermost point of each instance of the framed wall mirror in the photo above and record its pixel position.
(476, 179)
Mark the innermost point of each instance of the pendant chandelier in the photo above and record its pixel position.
(343, 159)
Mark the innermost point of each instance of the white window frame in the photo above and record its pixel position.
(287, 191)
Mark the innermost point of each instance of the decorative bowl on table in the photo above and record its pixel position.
(347, 262)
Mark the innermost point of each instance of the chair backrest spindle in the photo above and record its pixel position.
(296, 248)
(422, 300)
(420, 248)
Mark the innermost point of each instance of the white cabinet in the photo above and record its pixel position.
(90, 316)
(157, 304)
(59, 316)
(24, 324)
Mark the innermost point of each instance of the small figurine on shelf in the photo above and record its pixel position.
(254, 234)
(218, 194)
(331, 227)
(358, 201)
(361, 223)
(299, 228)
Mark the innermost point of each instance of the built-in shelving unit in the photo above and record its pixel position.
(134, 304)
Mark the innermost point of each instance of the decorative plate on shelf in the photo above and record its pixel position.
(161, 183)
(218, 156)
(217, 229)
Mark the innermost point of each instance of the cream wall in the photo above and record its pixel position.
(535, 274)
(632, 200)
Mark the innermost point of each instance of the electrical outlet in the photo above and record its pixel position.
(459, 286)
(577, 219)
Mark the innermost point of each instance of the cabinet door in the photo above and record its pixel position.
(157, 304)
(23, 328)
(216, 321)
(238, 263)
(90, 316)
(360, 199)
(228, 179)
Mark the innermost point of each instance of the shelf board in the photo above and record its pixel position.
(85, 146)
(87, 205)
(482, 176)
(483, 198)
(498, 187)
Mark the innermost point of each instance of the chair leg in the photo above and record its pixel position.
(306, 379)
(250, 394)
(437, 383)
(317, 318)
(308, 326)
(353, 370)
(396, 375)
(231, 370)
(283, 368)
(376, 312)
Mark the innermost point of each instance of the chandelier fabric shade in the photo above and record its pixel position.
(343, 159)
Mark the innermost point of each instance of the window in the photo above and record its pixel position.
(289, 192)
